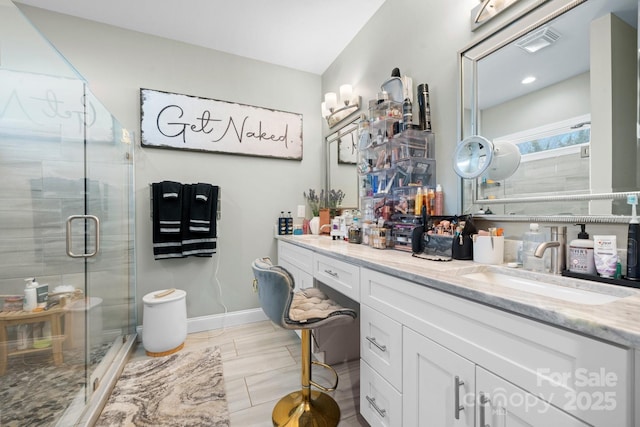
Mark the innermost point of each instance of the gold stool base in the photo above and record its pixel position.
(293, 411)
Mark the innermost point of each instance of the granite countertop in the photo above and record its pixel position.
(617, 321)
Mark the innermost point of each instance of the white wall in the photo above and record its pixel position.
(423, 40)
(117, 63)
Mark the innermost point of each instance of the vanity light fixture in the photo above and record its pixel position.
(334, 110)
(528, 80)
(487, 10)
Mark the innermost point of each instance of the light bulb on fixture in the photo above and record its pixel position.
(346, 92)
(335, 110)
(527, 80)
(331, 101)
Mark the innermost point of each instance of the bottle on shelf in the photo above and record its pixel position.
(418, 202)
(407, 114)
(282, 224)
(439, 201)
(289, 223)
(424, 109)
(430, 201)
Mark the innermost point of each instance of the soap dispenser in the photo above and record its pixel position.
(581, 253)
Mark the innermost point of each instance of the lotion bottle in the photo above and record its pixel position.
(633, 251)
(581, 253)
(30, 294)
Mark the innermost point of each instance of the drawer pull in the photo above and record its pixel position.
(456, 389)
(372, 402)
(483, 400)
(373, 341)
(331, 273)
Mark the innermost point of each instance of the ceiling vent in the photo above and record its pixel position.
(539, 39)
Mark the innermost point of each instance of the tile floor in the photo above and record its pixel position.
(261, 363)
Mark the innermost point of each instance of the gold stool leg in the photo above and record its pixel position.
(306, 408)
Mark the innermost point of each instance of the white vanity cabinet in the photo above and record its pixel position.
(298, 261)
(445, 336)
(431, 358)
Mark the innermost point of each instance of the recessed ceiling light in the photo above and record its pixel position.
(527, 80)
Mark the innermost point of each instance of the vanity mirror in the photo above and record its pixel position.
(340, 162)
(574, 122)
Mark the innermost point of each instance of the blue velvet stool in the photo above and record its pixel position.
(305, 309)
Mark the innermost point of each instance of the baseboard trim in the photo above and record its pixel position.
(225, 320)
(220, 321)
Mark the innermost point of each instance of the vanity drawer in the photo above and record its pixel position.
(381, 344)
(339, 275)
(296, 256)
(380, 403)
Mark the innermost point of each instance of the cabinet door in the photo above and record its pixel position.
(502, 404)
(438, 385)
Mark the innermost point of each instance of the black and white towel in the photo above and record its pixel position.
(167, 219)
(199, 237)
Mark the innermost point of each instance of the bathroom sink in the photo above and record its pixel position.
(536, 286)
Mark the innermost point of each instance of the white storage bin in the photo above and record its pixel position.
(164, 327)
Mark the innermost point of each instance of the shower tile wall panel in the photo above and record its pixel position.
(540, 178)
(43, 184)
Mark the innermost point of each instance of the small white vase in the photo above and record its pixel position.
(314, 225)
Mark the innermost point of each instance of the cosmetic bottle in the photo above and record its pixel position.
(633, 252)
(407, 113)
(289, 223)
(418, 202)
(424, 109)
(30, 295)
(581, 253)
(431, 197)
(282, 224)
(530, 241)
(439, 209)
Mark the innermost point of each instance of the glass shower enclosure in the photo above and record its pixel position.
(66, 219)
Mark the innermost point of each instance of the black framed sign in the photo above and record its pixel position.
(185, 122)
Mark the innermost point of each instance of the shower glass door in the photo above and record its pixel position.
(66, 218)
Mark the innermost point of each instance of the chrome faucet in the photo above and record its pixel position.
(558, 245)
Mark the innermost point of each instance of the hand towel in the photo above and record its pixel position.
(201, 203)
(165, 245)
(199, 243)
(170, 207)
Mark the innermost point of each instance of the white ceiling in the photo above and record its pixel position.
(502, 72)
(299, 34)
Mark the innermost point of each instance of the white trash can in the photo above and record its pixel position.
(164, 322)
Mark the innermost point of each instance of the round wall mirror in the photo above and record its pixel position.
(476, 156)
(472, 157)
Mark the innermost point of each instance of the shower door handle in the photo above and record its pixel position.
(97, 235)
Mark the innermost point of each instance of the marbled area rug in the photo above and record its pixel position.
(182, 389)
